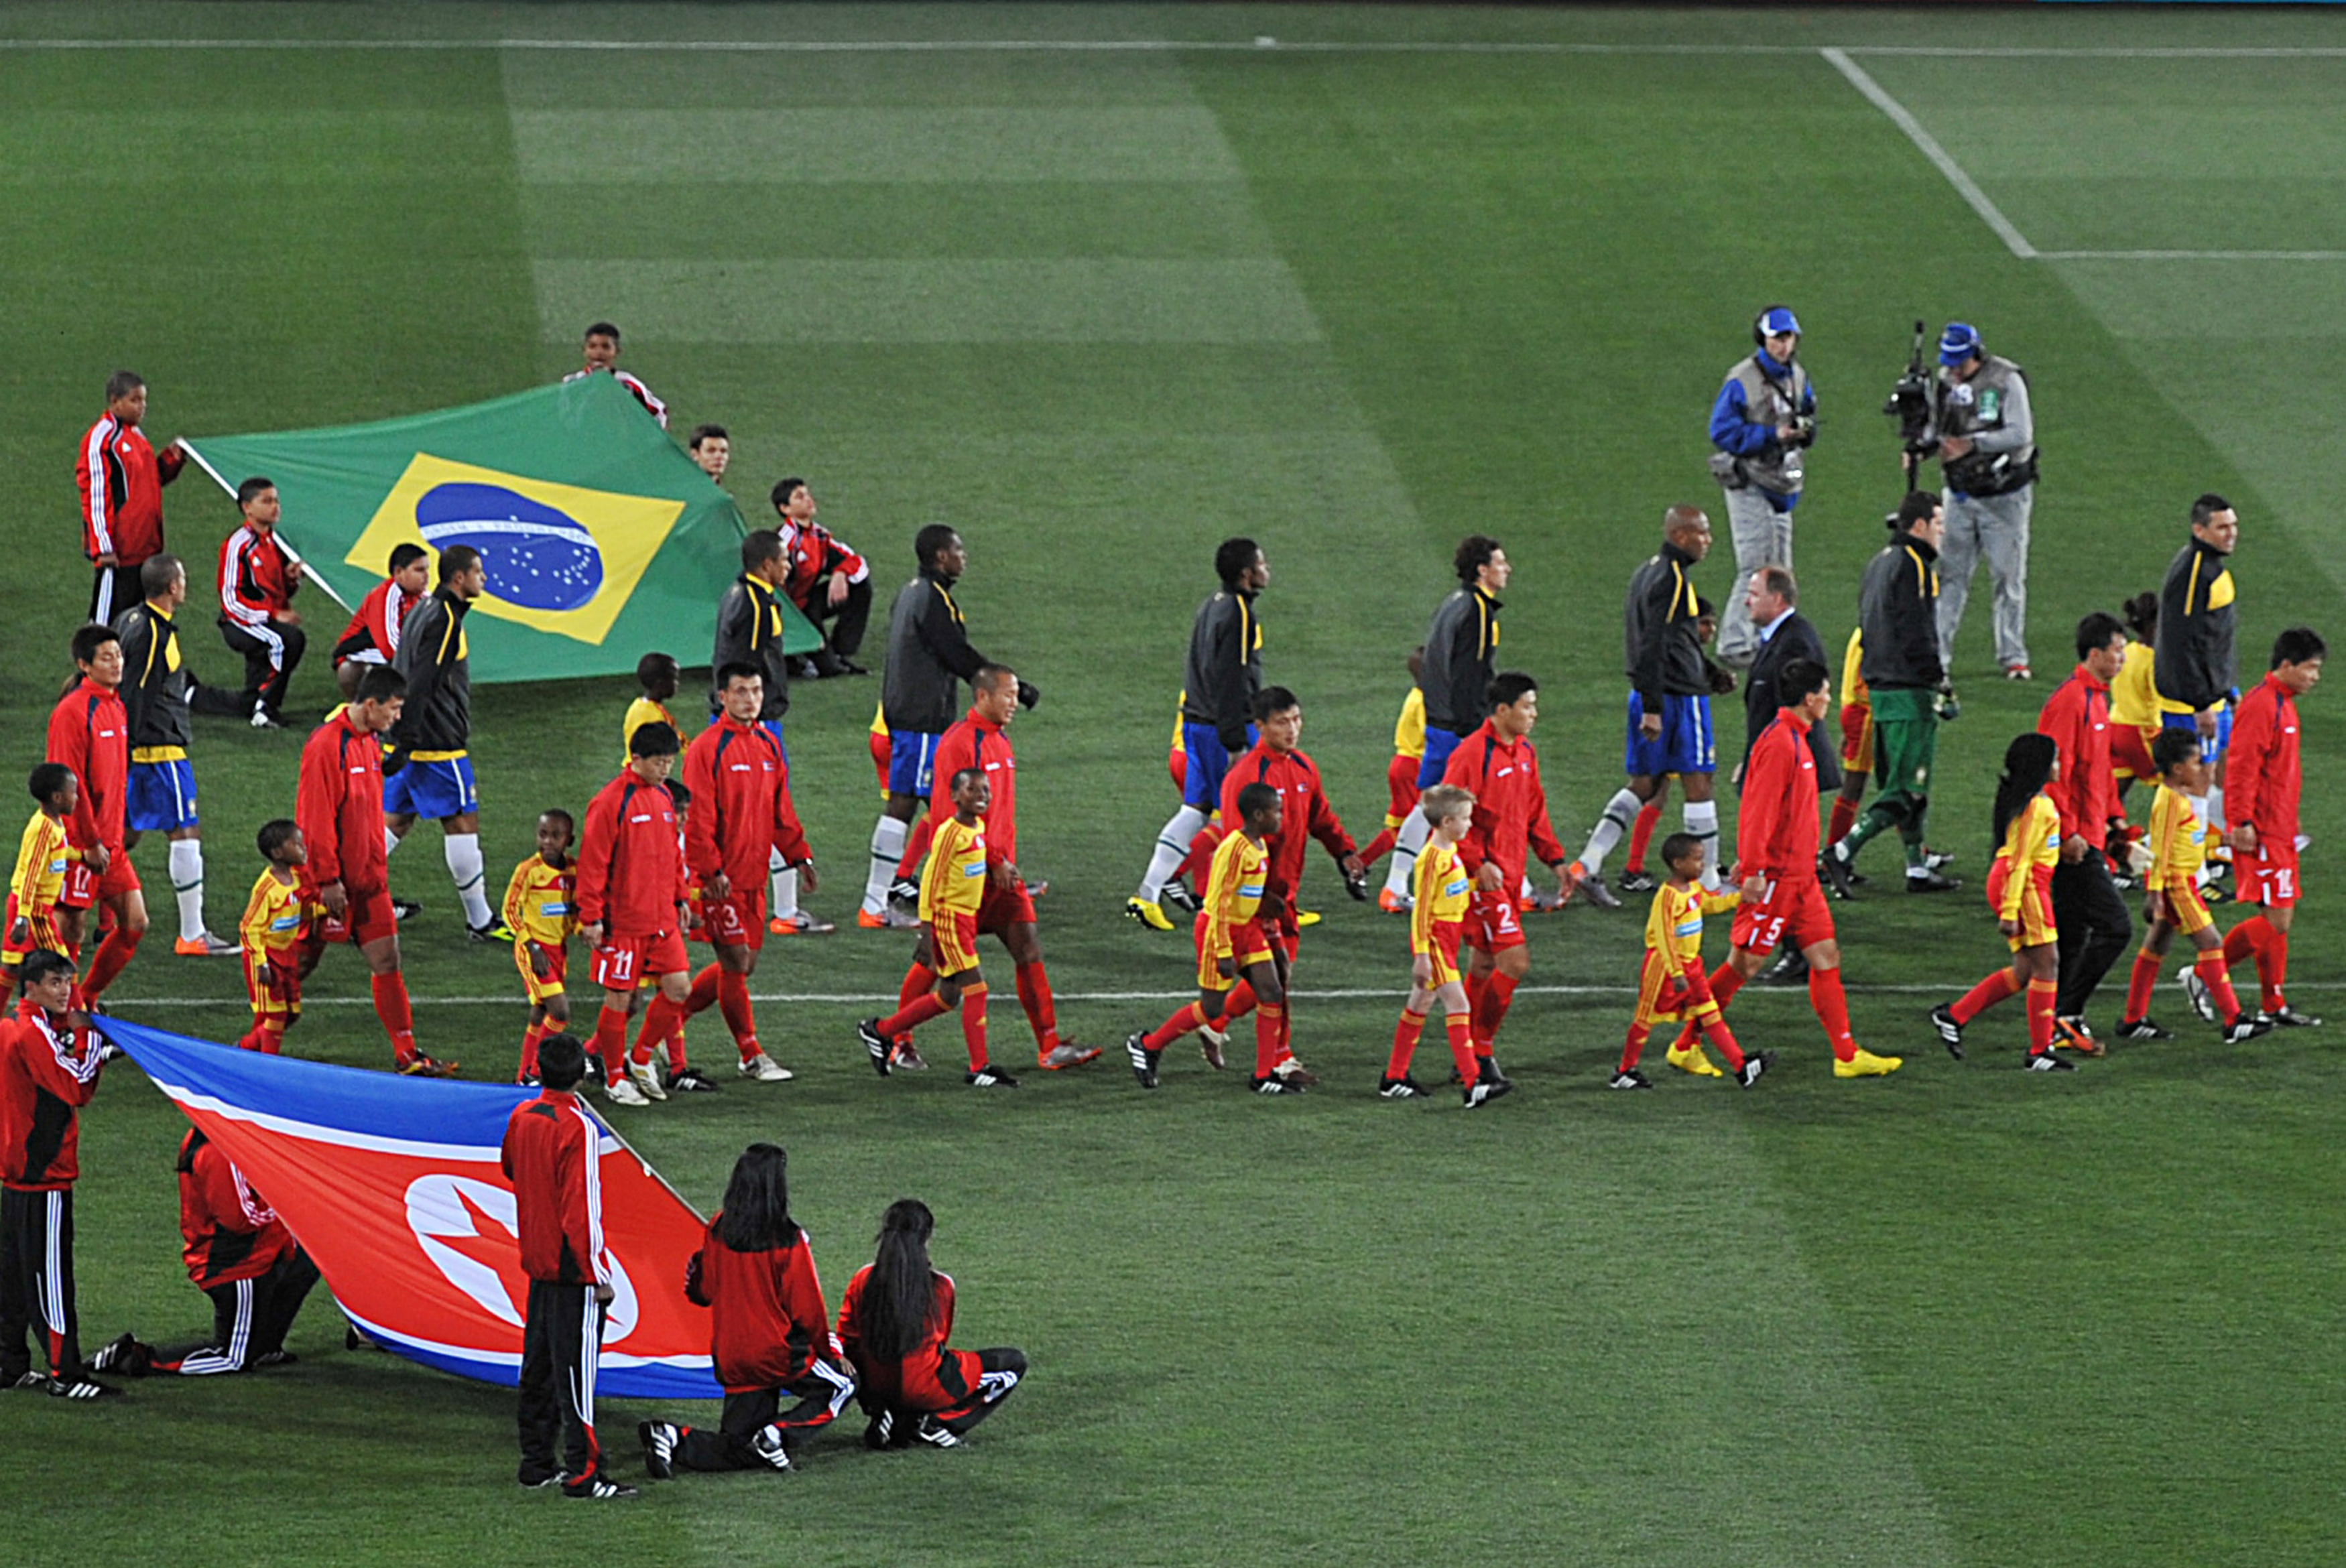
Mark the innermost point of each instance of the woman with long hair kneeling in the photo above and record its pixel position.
(768, 1331)
(894, 1321)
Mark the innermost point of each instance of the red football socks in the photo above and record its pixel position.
(1995, 988)
(1642, 833)
(611, 1041)
(1042, 1011)
(733, 1003)
(2041, 994)
(1832, 1004)
(919, 980)
(914, 1014)
(1405, 1037)
(703, 994)
(2140, 984)
(1634, 1047)
(972, 1023)
(529, 1039)
(2219, 983)
(1268, 1018)
(1184, 1020)
(1241, 1003)
(113, 957)
(1498, 995)
(1844, 818)
(2259, 938)
(1375, 848)
(398, 1018)
(267, 1038)
(660, 1020)
(1461, 1027)
(1722, 1040)
(1725, 981)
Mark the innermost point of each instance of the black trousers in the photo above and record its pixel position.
(561, 1340)
(818, 1398)
(116, 590)
(847, 618)
(271, 654)
(999, 1372)
(249, 1318)
(36, 1282)
(2096, 927)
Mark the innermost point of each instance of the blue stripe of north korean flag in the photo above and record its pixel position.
(466, 1120)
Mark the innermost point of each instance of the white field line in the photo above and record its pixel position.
(1172, 45)
(2191, 255)
(127, 1004)
(1965, 186)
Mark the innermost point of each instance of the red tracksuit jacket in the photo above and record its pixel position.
(973, 743)
(229, 1232)
(767, 1322)
(933, 1378)
(1307, 815)
(47, 1073)
(2263, 774)
(1510, 805)
(255, 577)
(375, 623)
(2078, 717)
(630, 865)
(549, 1157)
(812, 550)
(741, 805)
(89, 732)
(1776, 829)
(122, 485)
(338, 806)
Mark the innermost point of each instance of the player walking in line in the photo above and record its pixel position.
(1856, 744)
(742, 816)
(240, 1253)
(1907, 693)
(275, 932)
(2266, 779)
(750, 625)
(894, 1322)
(552, 1155)
(929, 657)
(827, 581)
(1219, 681)
(631, 894)
(44, 856)
(1233, 953)
(1437, 925)
(434, 767)
(769, 1333)
(1277, 760)
(257, 582)
(338, 806)
(1776, 854)
(2094, 923)
(122, 478)
(1454, 677)
(1498, 765)
(1671, 985)
(601, 348)
(980, 741)
(158, 693)
(2178, 847)
(89, 732)
(541, 907)
(2135, 720)
(373, 636)
(2195, 663)
(1669, 727)
(2027, 837)
(953, 888)
(50, 1063)
(1400, 792)
(657, 676)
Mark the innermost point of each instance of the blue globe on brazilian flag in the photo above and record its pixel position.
(602, 539)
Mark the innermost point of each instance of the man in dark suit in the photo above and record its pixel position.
(1784, 635)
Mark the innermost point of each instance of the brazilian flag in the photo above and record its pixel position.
(602, 539)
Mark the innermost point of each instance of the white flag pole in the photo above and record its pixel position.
(282, 542)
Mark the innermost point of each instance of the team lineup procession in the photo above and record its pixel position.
(1622, 802)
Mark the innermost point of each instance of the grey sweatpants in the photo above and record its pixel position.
(1763, 537)
(1994, 528)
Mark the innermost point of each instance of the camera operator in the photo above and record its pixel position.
(1765, 415)
(1987, 455)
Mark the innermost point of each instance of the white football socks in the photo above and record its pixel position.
(390, 841)
(1700, 819)
(1409, 838)
(463, 851)
(888, 836)
(1620, 813)
(782, 886)
(188, 883)
(1172, 849)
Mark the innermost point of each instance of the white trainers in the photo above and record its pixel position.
(625, 1093)
(764, 1069)
(646, 1076)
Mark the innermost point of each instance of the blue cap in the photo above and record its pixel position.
(1778, 320)
(1959, 342)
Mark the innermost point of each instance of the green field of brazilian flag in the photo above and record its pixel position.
(1099, 286)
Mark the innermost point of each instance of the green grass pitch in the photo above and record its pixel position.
(1098, 308)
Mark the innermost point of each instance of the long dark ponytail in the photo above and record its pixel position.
(902, 1292)
(2027, 766)
(757, 1217)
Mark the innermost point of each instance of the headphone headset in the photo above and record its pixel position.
(1759, 330)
